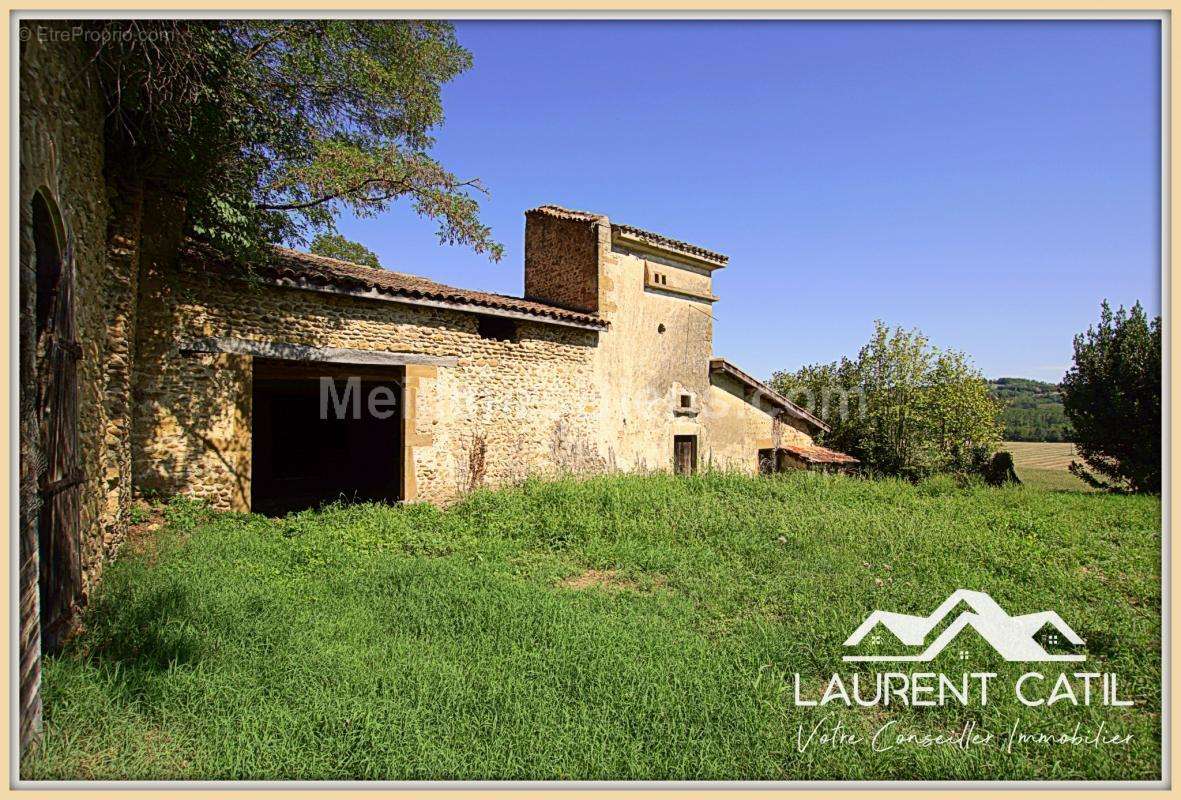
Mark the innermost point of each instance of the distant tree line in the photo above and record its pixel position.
(909, 409)
(1032, 411)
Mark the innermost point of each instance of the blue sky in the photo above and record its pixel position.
(987, 182)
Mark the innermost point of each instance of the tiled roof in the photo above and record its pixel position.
(319, 272)
(568, 213)
(672, 244)
(815, 454)
(723, 366)
(655, 239)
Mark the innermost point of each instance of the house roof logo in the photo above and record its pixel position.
(1011, 637)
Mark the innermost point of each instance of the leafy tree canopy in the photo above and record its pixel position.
(902, 406)
(334, 245)
(1112, 396)
(271, 128)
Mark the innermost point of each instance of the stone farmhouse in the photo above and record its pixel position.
(606, 364)
(149, 364)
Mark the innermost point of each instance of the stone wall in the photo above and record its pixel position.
(62, 160)
(562, 254)
(528, 405)
(62, 156)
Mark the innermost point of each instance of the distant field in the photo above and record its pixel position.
(1044, 464)
(1041, 455)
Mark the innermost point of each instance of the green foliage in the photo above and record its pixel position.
(903, 407)
(1112, 396)
(1032, 411)
(184, 513)
(370, 642)
(1000, 469)
(270, 128)
(333, 245)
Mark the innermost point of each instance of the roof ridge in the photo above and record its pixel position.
(675, 244)
(300, 254)
(308, 270)
(566, 213)
(561, 212)
(734, 371)
(386, 271)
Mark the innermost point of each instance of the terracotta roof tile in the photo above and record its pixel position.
(313, 271)
(567, 213)
(673, 244)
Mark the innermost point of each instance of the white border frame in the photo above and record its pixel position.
(1163, 17)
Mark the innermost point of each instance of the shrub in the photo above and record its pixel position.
(903, 407)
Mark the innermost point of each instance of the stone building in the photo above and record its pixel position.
(151, 365)
(605, 364)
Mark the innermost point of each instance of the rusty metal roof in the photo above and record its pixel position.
(815, 454)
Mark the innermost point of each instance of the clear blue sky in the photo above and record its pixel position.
(988, 182)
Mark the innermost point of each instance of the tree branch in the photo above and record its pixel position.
(319, 201)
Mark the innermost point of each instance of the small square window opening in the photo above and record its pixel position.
(498, 328)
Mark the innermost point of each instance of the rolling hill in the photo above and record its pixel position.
(1033, 410)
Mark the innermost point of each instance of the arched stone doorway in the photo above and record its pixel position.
(60, 479)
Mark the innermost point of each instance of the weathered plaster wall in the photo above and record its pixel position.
(642, 370)
(658, 347)
(737, 428)
(529, 404)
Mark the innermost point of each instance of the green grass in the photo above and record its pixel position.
(411, 643)
(1058, 480)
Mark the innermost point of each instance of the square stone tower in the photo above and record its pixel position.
(652, 363)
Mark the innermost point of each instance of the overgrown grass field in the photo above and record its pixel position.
(613, 628)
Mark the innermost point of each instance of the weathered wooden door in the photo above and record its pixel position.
(685, 455)
(60, 484)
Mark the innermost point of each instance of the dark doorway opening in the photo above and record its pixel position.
(772, 460)
(685, 455)
(60, 480)
(322, 433)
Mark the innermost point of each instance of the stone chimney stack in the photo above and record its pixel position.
(564, 253)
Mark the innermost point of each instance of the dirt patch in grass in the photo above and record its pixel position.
(609, 579)
(140, 539)
(603, 578)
